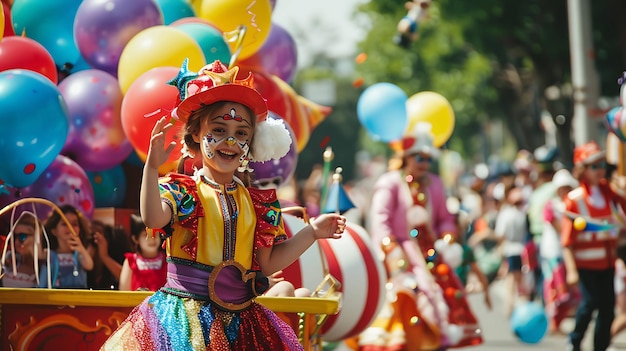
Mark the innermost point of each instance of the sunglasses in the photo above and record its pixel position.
(596, 166)
(421, 158)
(21, 237)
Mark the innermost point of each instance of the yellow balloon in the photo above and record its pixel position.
(430, 107)
(255, 15)
(157, 46)
(580, 223)
(164, 169)
(196, 5)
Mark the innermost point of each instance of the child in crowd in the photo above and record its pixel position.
(24, 257)
(145, 269)
(69, 259)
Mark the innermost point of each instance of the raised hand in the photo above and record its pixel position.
(158, 153)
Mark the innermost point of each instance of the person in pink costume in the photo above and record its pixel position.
(408, 214)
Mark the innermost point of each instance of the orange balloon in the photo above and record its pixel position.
(167, 167)
(360, 58)
(432, 108)
(442, 269)
(1, 24)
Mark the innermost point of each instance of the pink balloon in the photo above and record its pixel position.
(63, 182)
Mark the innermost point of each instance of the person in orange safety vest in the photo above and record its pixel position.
(589, 237)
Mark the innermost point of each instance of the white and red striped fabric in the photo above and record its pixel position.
(352, 261)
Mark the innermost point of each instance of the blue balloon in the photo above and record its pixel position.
(529, 322)
(51, 24)
(381, 109)
(35, 125)
(109, 186)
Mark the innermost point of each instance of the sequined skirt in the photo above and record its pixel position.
(167, 322)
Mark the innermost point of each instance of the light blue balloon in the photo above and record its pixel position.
(51, 24)
(210, 40)
(35, 125)
(381, 109)
(174, 10)
(529, 322)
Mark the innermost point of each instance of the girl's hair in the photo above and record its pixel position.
(193, 126)
(27, 221)
(136, 225)
(137, 228)
(83, 224)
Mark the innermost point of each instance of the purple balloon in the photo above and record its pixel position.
(276, 172)
(96, 140)
(63, 182)
(102, 28)
(278, 55)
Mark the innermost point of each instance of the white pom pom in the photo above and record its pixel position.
(271, 140)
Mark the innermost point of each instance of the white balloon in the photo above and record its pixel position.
(455, 333)
(454, 255)
(440, 246)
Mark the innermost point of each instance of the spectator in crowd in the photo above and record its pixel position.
(145, 268)
(589, 248)
(69, 258)
(109, 244)
(24, 257)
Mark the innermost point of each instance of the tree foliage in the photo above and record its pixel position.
(492, 60)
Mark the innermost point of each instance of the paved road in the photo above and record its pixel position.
(498, 336)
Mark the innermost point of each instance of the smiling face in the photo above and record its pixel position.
(225, 135)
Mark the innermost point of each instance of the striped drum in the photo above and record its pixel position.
(353, 262)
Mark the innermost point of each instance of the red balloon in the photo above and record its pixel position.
(273, 94)
(149, 98)
(8, 24)
(25, 53)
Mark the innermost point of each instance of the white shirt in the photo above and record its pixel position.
(511, 224)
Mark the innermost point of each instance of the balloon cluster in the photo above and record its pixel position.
(615, 120)
(387, 114)
(82, 83)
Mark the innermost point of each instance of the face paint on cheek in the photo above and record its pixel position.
(246, 149)
(209, 144)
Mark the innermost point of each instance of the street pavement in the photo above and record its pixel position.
(497, 334)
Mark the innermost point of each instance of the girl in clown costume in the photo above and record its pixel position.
(223, 238)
